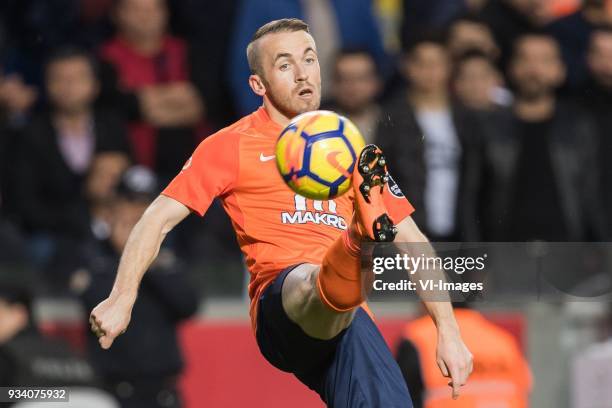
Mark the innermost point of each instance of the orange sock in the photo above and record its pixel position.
(339, 282)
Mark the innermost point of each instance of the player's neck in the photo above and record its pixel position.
(275, 114)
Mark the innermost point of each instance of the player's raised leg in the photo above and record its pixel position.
(321, 299)
(353, 368)
(340, 283)
(322, 314)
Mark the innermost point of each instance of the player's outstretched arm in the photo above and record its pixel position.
(111, 317)
(453, 357)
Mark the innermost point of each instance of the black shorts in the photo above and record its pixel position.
(354, 369)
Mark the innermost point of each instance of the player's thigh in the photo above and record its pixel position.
(303, 306)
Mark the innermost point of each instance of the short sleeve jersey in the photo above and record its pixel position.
(275, 227)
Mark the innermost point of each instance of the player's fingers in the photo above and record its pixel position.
(442, 366)
(94, 315)
(106, 341)
(456, 388)
(94, 325)
(457, 380)
(99, 332)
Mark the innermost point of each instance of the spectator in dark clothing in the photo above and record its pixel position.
(143, 366)
(573, 33)
(426, 138)
(147, 79)
(57, 150)
(27, 358)
(597, 97)
(539, 166)
(355, 88)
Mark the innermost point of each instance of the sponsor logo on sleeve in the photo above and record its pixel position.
(394, 188)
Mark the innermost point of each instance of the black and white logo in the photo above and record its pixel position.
(394, 188)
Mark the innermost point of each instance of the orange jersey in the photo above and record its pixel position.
(275, 227)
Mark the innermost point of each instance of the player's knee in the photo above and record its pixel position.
(299, 291)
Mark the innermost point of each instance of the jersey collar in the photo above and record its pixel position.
(264, 119)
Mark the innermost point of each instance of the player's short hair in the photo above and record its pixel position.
(288, 25)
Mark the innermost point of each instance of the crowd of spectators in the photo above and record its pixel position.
(493, 113)
(494, 116)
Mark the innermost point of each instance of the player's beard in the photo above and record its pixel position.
(291, 105)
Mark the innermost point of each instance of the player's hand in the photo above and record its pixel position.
(453, 358)
(110, 318)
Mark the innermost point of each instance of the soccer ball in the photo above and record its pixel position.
(317, 153)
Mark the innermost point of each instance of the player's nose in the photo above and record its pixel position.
(301, 74)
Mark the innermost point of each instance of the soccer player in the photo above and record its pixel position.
(306, 285)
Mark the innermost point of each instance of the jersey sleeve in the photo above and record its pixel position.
(210, 172)
(397, 204)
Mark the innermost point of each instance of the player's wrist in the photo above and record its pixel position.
(124, 295)
(448, 328)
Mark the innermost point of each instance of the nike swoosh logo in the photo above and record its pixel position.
(266, 158)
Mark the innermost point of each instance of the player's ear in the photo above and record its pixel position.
(257, 85)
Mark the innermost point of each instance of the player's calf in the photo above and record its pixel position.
(341, 285)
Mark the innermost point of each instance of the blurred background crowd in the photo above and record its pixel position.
(494, 115)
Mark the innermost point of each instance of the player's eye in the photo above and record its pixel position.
(284, 67)
(310, 60)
